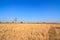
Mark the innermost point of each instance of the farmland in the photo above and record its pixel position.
(25, 31)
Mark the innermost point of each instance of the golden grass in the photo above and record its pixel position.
(25, 31)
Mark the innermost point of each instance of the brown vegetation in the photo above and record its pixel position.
(25, 31)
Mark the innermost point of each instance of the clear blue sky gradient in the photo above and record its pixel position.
(30, 10)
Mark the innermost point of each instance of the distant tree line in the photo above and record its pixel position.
(16, 21)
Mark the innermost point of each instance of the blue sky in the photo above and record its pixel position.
(30, 10)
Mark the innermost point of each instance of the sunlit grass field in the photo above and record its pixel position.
(25, 31)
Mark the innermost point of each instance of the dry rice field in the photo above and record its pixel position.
(25, 31)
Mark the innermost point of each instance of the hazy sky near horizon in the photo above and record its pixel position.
(30, 10)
